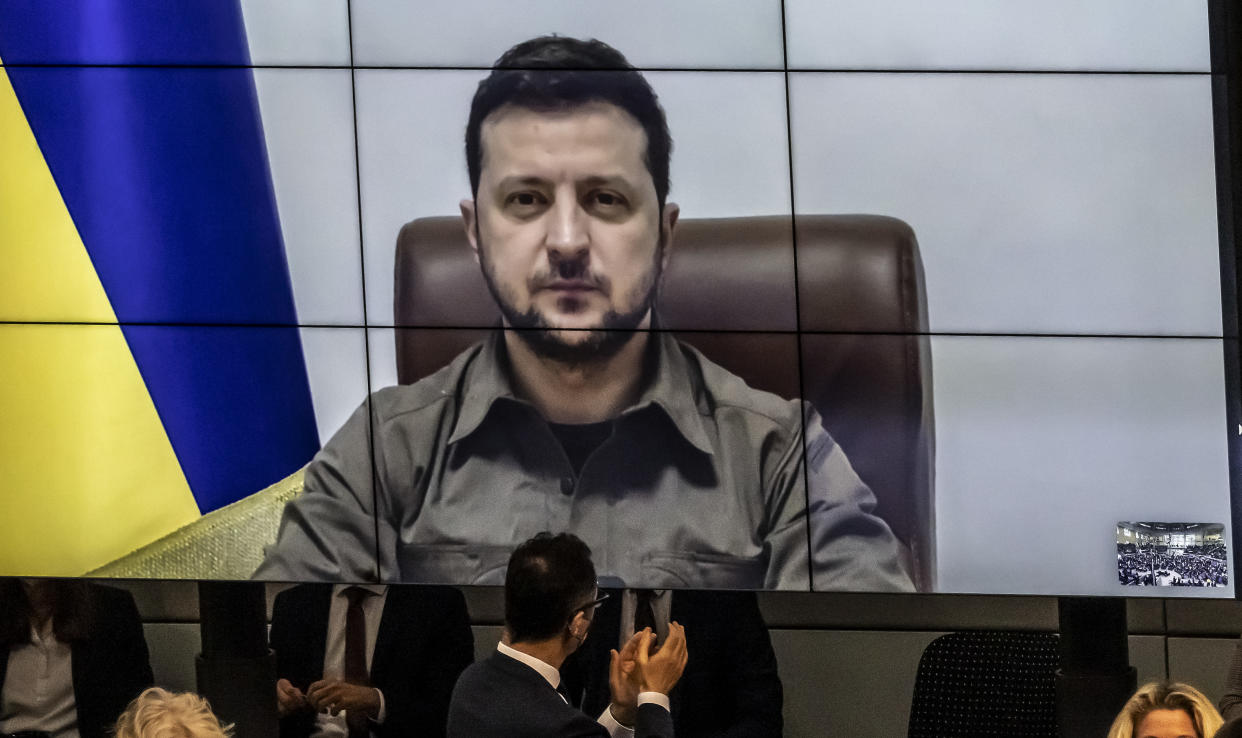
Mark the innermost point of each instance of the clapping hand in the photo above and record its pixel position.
(624, 689)
(659, 672)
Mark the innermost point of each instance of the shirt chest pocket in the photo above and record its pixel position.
(453, 563)
(690, 570)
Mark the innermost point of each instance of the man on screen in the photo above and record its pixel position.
(579, 415)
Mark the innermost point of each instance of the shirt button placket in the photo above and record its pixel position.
(560, 501)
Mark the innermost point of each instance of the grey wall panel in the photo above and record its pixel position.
(1145, 616)
(1202, 663)
(1147, 657)
(848, 682)
(173, 647)
(907, 612)
(1197, 617)
(162, 600)
(485, 639)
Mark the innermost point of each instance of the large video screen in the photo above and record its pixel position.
(831, 296)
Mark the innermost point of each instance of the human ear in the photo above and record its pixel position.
(668, 225)
(579, 626)
(470, 222)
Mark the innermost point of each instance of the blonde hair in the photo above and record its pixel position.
(158, 713)
(1167, 696)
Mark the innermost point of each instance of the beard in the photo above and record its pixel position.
(592, 345)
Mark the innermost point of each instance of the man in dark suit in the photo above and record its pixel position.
(85, 633)
(414, 651)
(730, 689)
(550, 598)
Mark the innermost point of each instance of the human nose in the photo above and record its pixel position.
(567, 235)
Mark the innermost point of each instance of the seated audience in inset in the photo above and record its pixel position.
(158, 713)
(363, 660)
(1166, 710)
(1196, 567)
(73, 657)
(550, 600)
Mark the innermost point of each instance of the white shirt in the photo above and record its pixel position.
(38, 687)
(334, 726)
(553, 675)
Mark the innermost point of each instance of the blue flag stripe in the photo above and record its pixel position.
(122, 32)
(165, 174)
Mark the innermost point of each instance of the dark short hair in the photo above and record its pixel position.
(559, 73)
(549, 579)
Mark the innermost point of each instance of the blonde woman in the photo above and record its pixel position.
(1166, 710)
(158, 713)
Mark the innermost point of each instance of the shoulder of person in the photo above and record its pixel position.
(302, 595)
(431, 394)
(726, 392)
(106, 593)
(112, 603)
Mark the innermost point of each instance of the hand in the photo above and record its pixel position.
(289, 699)
(660, 672)
(335, 695)
(624, 705)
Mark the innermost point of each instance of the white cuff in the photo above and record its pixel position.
(383, 711)
(614, 728)
(655, 698)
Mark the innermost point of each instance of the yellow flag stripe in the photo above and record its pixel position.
(47, 275)
(87, 472)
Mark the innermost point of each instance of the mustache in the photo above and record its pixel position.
(569, 270)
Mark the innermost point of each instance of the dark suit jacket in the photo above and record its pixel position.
(111, 667)
(424, 642)
(730, 686)
(501, 697)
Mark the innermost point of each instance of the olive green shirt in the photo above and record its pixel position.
(701, 485)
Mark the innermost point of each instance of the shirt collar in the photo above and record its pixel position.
(486, 380)
(673, 387)
(546, 670)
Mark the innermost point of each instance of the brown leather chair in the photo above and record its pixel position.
(857, 325)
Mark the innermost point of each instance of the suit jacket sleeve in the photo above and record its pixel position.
(434, 645)
(112, 666)
(299, 630)
(653, 722)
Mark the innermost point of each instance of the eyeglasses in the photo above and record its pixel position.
(593, 603)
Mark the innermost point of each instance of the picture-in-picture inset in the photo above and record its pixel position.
(1171, 555)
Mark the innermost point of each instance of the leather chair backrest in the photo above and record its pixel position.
(856, 324)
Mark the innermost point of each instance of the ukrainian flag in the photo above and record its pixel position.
(150, 362)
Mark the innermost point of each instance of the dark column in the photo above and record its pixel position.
(1095, 678)
(236, 672)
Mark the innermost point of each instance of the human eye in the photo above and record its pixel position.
(608, 201)
(524, 201)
